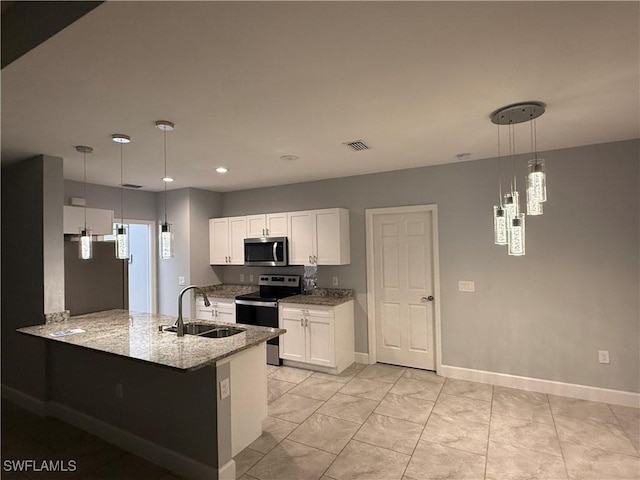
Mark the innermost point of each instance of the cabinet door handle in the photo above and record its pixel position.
(315, 259)
(310, 261)
(306, 322)
(302, 322)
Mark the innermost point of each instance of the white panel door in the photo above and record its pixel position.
(302, 237)
(256, 226)
(328, 237)
(218, 241)
(320, 339)
(403, 265)
(292, 343)
(276, 224)
(237, 234)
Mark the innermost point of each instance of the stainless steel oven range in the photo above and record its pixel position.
(261, 308)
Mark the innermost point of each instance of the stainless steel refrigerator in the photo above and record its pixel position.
(100, 283)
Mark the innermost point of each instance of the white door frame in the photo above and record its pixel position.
(370, 213)
(153, 259)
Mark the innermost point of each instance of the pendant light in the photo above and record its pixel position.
(536, 178)
(85, 242)
(509, 208)
(165, 230)
(499, 212)
(122, 230)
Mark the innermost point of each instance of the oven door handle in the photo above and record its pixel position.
(254, 303)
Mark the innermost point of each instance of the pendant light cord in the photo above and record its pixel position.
(499, 176)
(121, 189)
(84, 178)
(164, 137)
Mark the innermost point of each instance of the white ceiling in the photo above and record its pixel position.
(248, 82)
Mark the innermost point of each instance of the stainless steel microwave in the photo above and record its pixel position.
(266, 252)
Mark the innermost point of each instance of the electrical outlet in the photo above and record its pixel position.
(250, 278)
(603, 356)
(224, 388)
(334, 281)
(181, 281)
(466, 286)
(242, 278)
(119, 391)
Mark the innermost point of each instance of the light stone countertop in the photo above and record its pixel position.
(227, 290)
(135, 335)
(328, 297)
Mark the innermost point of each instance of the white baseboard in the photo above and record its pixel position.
(360, 357)
(227, 471)
(27, 402)
(584, 392)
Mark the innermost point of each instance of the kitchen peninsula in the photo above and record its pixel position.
(189, 404)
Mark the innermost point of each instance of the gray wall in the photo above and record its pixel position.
(189, 210)
(138, 204)
(32, 265)
(543, 315)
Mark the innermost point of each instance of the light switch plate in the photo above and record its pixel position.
(181, 281)
(242, 278)
(334, 281)
(466, 286)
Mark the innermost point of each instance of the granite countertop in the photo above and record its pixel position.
(227, 290)
(328, 297)
(136, 335)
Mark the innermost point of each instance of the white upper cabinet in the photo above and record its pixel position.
(302, 235)
(226, 240)
(316, 237)
(267, 225)
(319, 237)
(99, 220)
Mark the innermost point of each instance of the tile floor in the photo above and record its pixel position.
(378, 422)
(386, 422)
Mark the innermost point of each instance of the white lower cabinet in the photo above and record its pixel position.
(317, 336)
(221, 309)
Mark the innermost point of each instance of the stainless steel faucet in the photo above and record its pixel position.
(180, 322)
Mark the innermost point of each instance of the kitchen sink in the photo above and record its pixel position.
(204, 329)
(222, 332)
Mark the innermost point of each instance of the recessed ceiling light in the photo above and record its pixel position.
(120, 138)
(289, 158)
(222, 169)
(167, 179)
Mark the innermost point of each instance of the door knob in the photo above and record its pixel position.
(427, 299)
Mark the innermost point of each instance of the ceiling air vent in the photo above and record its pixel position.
(357, 145)
(130, 185)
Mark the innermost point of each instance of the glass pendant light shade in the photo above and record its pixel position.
(517, 236)
(166, 240)
(122, 241)
(499, 225)
(536, 182)
(85, 244)
(533, 207)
